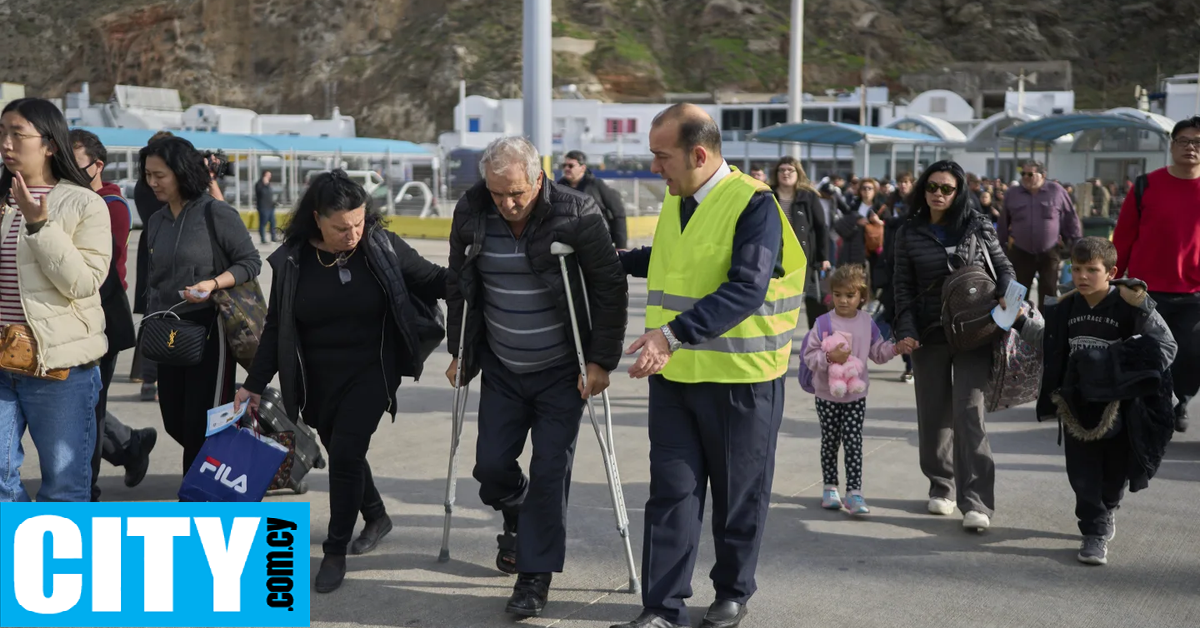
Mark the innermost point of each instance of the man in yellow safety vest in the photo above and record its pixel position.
(725, 277)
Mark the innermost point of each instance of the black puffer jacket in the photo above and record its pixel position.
(922, 264)
(610, 204)
(561, 215)
(413, 286)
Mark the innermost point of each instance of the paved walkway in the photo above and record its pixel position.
(899, 567)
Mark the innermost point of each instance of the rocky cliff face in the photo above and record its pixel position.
(394, 64)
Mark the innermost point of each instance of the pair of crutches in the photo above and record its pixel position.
(603, 435)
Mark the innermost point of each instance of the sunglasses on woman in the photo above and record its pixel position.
(945, 188)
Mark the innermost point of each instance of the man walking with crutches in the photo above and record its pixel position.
(518, 332)
(725, 278)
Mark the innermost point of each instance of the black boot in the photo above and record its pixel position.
(138, 458)
(506, 554)
(331, 573)
(529, 594)
(371, 534)
(1181, 418)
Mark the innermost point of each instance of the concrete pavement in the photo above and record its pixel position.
(897, 567)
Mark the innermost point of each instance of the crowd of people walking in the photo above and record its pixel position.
(353, 309)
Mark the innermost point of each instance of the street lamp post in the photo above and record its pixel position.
(796, 71)
(536, 84)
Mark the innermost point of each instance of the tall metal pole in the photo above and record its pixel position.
(537, 77)
(796, 73)
(461, 122)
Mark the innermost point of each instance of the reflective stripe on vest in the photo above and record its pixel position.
(687, 265)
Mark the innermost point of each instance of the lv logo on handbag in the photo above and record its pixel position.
(171, 339)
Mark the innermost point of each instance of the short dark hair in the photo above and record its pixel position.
(1028, 163)
(1092, 248)
(160, 135)
(330, 192)
(182, 158)
(577, 155)
(1187, 123)
(758, 168)
(694, 130)
(92, 146)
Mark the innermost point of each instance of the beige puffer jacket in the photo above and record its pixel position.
(60, 269)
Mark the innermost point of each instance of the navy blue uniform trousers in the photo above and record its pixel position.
(702, 435)
(510, 406)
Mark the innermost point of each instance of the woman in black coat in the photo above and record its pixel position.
(353, 309)
(804, 212)
(952, 438)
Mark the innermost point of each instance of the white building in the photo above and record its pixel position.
(217, 119)
(1041, 103)
(154, 108)
(619, 131)
(131, 107)
(1182, 92)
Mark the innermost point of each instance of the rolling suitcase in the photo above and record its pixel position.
(273, 419)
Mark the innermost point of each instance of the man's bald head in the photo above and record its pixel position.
(695, 127)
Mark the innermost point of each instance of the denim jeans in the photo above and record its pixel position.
(61, 417)
(266, 218)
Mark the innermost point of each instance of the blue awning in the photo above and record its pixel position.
(1051, 128)
(839, 134)
(114, 138)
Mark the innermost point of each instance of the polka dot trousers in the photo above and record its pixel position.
(842, 426)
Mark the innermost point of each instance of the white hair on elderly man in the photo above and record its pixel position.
(509, 152)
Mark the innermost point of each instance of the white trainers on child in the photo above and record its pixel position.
(830, 500)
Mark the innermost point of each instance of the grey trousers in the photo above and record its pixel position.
(954, 448)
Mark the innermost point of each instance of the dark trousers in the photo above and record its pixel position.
(1097, 471)
(952, 436)
(511, 405)
(187, 393)
(1044, 265)
(114, 439)
(721, 436)
(1182, 315)
(266, 218)
(351, 485)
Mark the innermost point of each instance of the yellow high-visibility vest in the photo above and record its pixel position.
(686, 267)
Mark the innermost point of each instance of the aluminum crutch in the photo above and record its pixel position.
(605, 436)
(461, 392)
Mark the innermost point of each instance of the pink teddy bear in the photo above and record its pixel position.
(843, 378)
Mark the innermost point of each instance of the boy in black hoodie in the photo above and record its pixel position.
(1103, 437)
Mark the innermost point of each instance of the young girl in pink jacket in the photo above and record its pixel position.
(848, 337)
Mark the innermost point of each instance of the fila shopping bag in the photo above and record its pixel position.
(234, 465)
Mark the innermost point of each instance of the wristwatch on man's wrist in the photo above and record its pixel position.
(672, 342)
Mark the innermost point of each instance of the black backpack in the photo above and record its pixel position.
(968, 298)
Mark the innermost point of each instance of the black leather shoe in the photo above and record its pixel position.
(506, 543)
(529, 594)
(724, 614)
(1181, 418)
(139, 462)
(648, 620)
(331, 573)
(371, 534)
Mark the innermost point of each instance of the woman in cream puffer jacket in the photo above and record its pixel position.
(55, 245)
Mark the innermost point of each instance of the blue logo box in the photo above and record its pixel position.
(154, 564)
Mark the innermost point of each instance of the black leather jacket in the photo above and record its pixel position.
(561, 215)
(413, 286)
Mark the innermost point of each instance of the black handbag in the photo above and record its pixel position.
(167, 339)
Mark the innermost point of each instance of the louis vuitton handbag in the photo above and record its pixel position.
(168, 339)
(18, 354)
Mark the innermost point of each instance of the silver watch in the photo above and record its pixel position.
(672, 342)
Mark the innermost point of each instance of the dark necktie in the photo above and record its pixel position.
(686, 210)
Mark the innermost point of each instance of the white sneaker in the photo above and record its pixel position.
(976, 520)
(940, 506)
